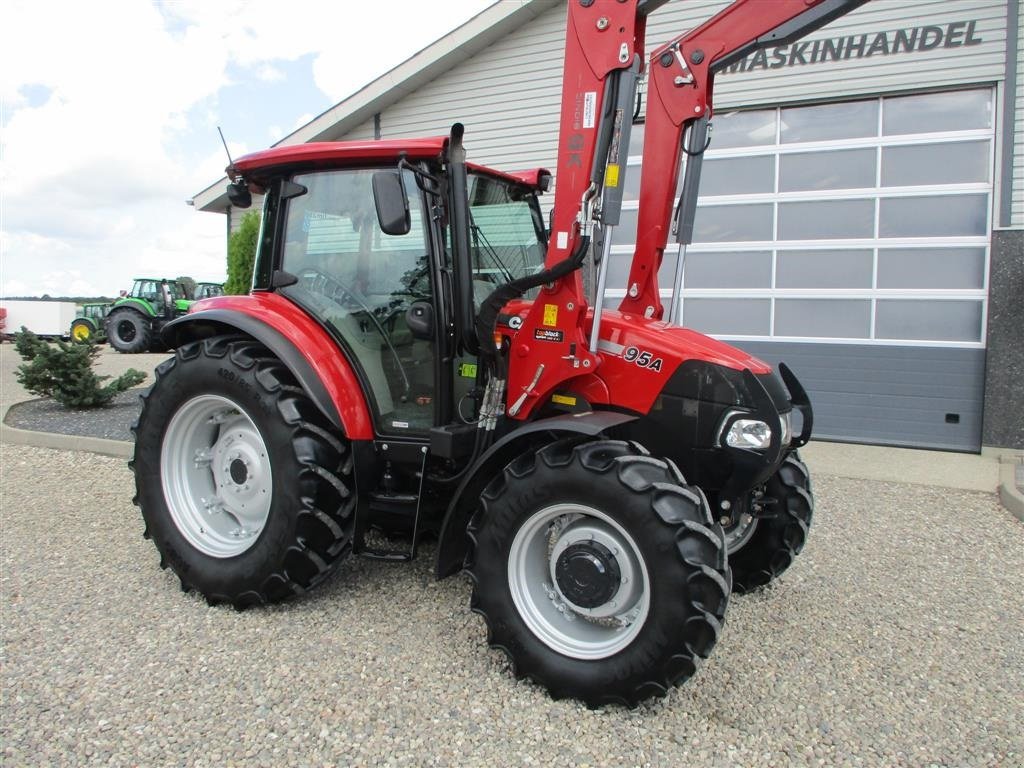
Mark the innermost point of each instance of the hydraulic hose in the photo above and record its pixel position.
(487, 317)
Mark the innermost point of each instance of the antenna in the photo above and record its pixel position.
(228, 151)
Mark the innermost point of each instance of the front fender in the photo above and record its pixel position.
(451, 548)
(296, 340)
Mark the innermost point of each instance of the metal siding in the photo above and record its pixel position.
(1017, 212)
(507, 96)
(362, 132)
(897, 395)
(937, 68)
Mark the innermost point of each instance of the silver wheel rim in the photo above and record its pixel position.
(737, 536)
(216, 476)
(569, 629)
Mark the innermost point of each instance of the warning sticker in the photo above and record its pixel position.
(611, 176)
(551, 315)
(589, 109)
(543, 334)
(563, 399)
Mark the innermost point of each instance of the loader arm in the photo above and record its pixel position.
(603, 54)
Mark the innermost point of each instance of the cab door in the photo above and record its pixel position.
(359, 283)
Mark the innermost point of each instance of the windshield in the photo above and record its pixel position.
(506, 234)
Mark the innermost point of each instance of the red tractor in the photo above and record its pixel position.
(418, 356)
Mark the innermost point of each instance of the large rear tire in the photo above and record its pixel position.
(128, 331)
(598, 572)
(761, 548)
(245, 489)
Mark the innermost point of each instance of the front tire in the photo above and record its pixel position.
(129, 332)
(761, 548)
(244, 488)
(598, 571)
(82, 330)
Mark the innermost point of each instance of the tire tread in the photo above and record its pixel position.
(684, 515)
(323, 532)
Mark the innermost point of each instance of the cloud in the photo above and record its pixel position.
(108, 115)
(269, 74)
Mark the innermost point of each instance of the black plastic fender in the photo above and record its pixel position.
(451, 548)
(216, 322)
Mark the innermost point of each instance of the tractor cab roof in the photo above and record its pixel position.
(338, 154)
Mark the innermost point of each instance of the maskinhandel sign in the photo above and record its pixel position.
(914, 40)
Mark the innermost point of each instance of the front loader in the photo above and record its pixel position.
(418, 357)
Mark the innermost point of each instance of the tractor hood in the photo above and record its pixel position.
(640, 357)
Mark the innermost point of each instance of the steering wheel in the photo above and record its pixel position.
(345, 297)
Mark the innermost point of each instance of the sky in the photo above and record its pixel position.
(109, 113)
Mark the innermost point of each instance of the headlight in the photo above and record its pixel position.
(749, 433)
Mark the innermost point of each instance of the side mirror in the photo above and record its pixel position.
(239, 195)
(391, 203)
(420, 319)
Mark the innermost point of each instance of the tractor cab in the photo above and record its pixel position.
(389, 299)
(390, 294)
(207, 291)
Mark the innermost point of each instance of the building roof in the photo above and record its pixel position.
(460, 44)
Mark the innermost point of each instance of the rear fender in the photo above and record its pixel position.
(452, 545)
(297, 341)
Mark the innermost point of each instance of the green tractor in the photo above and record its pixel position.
(90, 324)
(134, 321)
(207, 291)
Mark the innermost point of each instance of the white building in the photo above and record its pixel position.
(862, 209)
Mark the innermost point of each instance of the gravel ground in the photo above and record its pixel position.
(896, 639)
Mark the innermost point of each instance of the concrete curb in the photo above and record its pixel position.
(1009, 493)
(117, 448)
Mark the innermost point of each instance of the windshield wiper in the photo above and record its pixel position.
(478, 236)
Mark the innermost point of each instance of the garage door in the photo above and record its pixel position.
(851, 240)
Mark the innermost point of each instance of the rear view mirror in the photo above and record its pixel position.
(239, 195)
(391, 202)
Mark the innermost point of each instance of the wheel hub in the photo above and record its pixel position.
(216, 475)
(239, 461)
(738, 523)
(579, 581)
(126, 330)
(587, 574)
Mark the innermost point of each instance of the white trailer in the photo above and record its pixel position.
(51, 319)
